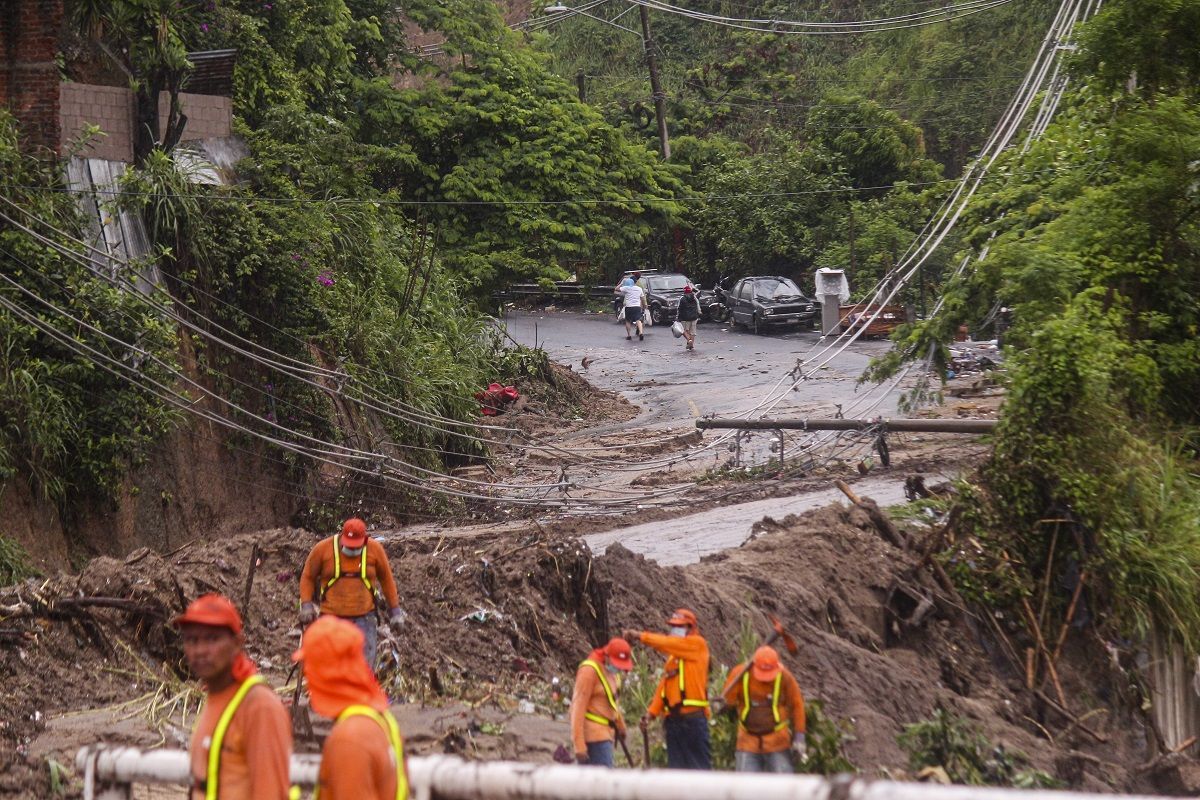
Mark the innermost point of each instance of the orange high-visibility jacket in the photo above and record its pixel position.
(692, 652)
(790, 707)
(349, 596)
(256, 747)
(590, 700)
(357, 762)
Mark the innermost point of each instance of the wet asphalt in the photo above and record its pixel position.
(729, 372)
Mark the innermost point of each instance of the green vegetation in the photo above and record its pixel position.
(14, 562)
(1095, 250)
(67, 426)
(784, 138)
(951, 743)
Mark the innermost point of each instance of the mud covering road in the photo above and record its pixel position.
(495, 619)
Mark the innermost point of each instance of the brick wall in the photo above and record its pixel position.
(29, 34)
(111, 108)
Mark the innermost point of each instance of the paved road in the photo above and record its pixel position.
(730, 371)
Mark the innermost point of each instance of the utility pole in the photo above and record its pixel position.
(660, 98)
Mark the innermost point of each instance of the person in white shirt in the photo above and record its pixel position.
(634, 301)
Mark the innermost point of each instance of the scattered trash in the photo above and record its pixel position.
(525, 706)
(481, 615)
(495, 398)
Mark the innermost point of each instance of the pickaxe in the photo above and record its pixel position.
(779, 632)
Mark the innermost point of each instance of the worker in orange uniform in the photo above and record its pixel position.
(363, 756)
(343, 573)
(243, 738)
(770, 712)
(682, 696)
(596, 720)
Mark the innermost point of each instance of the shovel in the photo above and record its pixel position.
(625, 750)
(645, 727)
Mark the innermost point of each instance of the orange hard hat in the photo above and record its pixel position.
(336, 670)
(620, 654)
(211, 609)
(354, 532)
(765, 665)
(683, 616)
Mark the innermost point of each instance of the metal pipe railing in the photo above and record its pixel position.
(111, 771)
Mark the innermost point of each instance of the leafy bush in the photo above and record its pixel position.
(950, 742)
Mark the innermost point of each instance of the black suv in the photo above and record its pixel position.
(768, 300)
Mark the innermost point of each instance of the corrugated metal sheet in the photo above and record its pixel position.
(117, 233)
(212, 72)
(1175, 706)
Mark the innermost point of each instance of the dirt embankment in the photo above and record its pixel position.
(494, 618)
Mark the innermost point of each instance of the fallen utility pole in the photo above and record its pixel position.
(905, 425)
(109, 773)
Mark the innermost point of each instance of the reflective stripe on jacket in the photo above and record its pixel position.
(213, 773)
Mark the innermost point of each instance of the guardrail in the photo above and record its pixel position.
(110, 772)
(560, 289)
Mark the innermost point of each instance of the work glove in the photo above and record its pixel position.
(581, 758)
(397, 617)
(644, 722)
(308, 613)
(800, 746)
(631, 635)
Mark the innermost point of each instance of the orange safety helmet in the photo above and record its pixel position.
(215, 610)
(684, 617)
(765, 665)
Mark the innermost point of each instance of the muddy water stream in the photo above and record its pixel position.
(689, 537)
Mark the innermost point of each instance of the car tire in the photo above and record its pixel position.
(657, 315)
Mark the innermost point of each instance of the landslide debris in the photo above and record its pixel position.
(494, 618)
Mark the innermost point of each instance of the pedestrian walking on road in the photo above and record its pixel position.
(363, 756)
(596, 720)
(770, 712)
(633, 300)
(682, 695)
(689, 315)
(242, 742)
(343, 573)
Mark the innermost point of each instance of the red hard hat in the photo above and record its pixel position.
(354, 532)
(620, 654)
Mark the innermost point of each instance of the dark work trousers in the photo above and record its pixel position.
(687, 742)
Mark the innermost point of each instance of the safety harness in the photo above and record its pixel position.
(608, 692)
(779, 723)
(684, 702)
(337, 567)
(218, 737)
(386, 721)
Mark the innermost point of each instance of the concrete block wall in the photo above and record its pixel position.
(29, 81)
(111, 108)
(209, 116)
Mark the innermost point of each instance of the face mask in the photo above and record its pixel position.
(353, 552)
(610, 669)
(677, 630)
